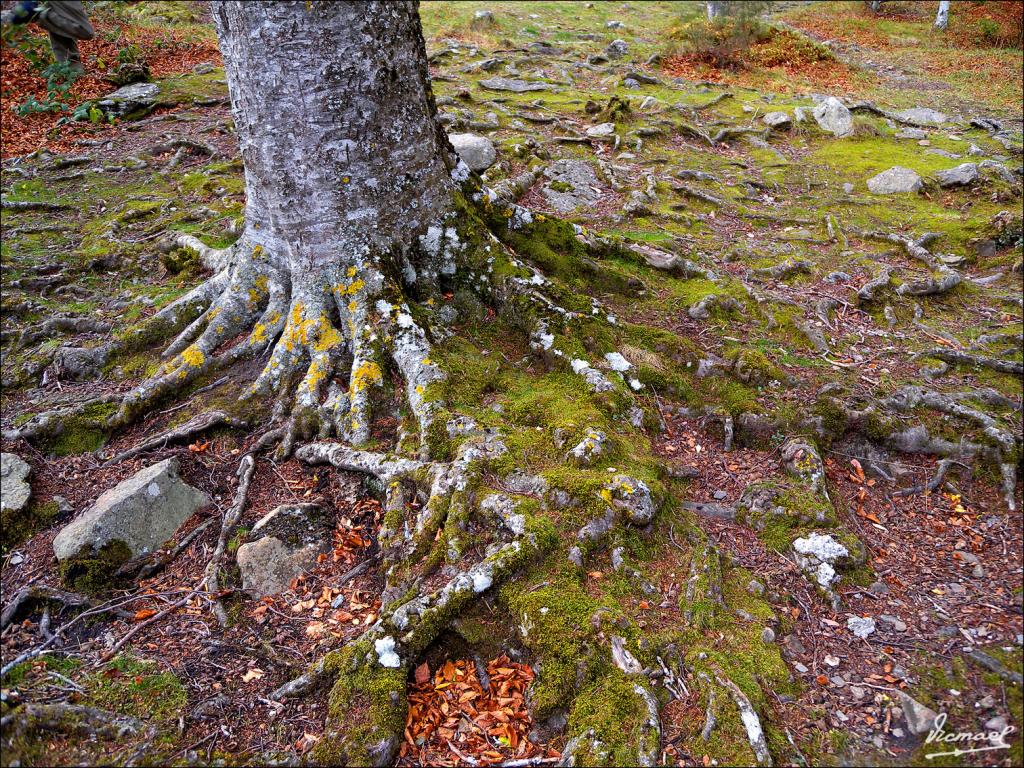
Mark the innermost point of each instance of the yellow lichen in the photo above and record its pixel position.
(193, 356)
(365, 374)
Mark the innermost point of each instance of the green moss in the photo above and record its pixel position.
(366, 707)
(137, 688)
(612, 709)
(92, 571)
(16, 527)
(555, 624)
(83, 433)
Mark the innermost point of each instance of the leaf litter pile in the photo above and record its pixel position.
(455, 719)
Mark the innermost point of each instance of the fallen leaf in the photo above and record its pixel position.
(255, 673)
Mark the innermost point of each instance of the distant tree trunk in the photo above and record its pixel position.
(942, 17)
(715, 9)
(876, 6)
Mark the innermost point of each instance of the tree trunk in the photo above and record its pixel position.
(715, 9)
(349, 178)
(942, 16)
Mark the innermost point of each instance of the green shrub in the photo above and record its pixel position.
(721, 41)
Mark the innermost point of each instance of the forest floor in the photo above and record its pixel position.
(783, 235)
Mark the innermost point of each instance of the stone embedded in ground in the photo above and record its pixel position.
(911, 133)
(476, 151)
(895, 180)
(143, 511)
(601, 131)
(633, 497)
(616, 49)
(920, 719)
(832, 115)
(965, 173)
(14, 487)
(860, 626)
(572, 184)
(801, 460)
(291, 537)
(514, 85)
(590, 448)
(921, 116)
(777, 120)
(131, 98)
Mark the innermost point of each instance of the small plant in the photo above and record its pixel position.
(130, 67)
(989, 31)
(721, 41)
(60, 76)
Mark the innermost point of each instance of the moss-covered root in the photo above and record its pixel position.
(71, 719)
(702, 599)
(366, 709)
(614, 721)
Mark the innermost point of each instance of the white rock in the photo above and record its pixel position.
(833, 116)
(617, 362)
(385, 648)
(861, 627)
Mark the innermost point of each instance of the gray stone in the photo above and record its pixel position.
(893, 621)
(911, 133)
(801, 460)
(137, 97)
(290, 539)
(573, 184)
(921, 116)
(860, 626)
(920, 718)
(632, 497)
(143, 511)
(965, 173)
(615, 25)
(14, 487)
(848, 188)
(80, 363)
(720, 495)
(755, 587)
(616, 49)
(590, 448)
(767, 635)
(879, 588)
(777, 120)
(942, 153)
(792, 646)
(514, 85)
(476, 151)
(832, 115)
(601, 131)
(896, 179)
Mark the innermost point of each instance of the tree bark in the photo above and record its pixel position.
(349, 182)
(942, 16)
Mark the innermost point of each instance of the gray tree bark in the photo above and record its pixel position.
(715, 9)
(942, 16)
(349, 181)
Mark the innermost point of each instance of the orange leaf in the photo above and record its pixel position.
(144, 614)
(423, 673)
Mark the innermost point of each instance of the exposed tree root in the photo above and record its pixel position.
(186, 431)
(72, 719)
